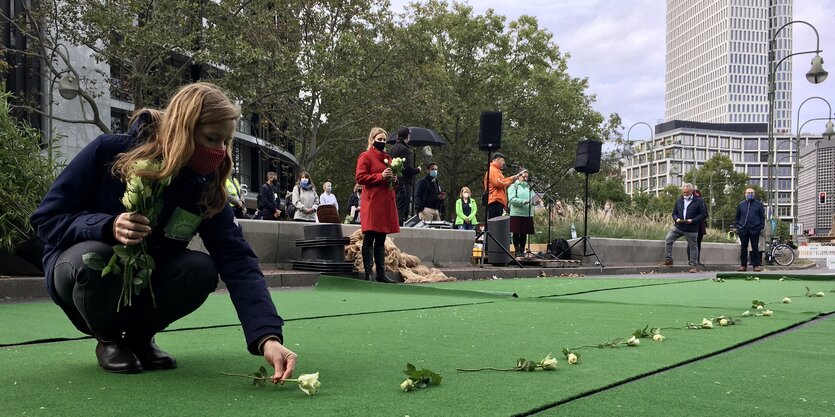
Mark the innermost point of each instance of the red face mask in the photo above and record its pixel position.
(205, 160)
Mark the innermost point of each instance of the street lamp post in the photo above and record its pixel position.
(828, 134)
(815, 75)
(649, 146)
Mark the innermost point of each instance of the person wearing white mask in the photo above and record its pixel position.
(305, 199)
(328, 197)
(465, 211)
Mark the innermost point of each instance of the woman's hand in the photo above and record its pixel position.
(388, 173)
(131, 228)
(280, 358)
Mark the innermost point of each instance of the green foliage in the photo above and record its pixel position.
(422, 377)
(25, 176)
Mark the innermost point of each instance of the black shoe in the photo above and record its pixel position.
(116, 357)
(382, 277)
(150, 355)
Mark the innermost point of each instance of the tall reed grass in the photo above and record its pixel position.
(620, 224)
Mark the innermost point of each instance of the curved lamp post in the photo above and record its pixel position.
(68, 88)
(828, 134)
(815, 75)
(649, 146)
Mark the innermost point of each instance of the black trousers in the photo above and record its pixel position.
(519, 242)
(494, 210)
(181, 283)
(374, 243)
(744, 238)
(403, 194)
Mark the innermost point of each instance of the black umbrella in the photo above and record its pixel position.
(421, 136)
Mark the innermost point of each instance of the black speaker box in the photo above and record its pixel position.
(588, 156)
(490, 132)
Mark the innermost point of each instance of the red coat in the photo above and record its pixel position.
(379, 210)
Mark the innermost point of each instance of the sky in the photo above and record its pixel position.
(620, 46)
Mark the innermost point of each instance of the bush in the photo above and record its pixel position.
(25, 176)
(621, 225)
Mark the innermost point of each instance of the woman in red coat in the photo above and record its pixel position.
(378, 216)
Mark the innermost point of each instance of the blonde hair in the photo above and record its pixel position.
(169, 137)
(375, 131)
(463, 189)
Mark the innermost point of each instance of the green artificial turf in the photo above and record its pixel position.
(789, 375)
(775, 275)
(332, 296)
(551, 286)
(735, 296)
(360, 359)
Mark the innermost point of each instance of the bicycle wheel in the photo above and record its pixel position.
(783, 255)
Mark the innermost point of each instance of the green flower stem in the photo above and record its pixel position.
(255, 378)
(486, 369)
(582, 347)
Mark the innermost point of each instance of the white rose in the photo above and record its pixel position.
(309, 383)
(707, 324)
(549, 363)
(723, 322)
(767, 313)
(572, 358)
(658, 338)
(759, 307)
(633, 341)
(127, 203)
(407, 385)
(746, 313)
(819, 294)
(787, 300)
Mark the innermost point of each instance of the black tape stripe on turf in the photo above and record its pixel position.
(638, 377)
(362, 313)
(620, 288)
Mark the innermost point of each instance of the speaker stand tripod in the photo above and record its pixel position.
(585, 239)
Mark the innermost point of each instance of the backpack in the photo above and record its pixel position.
(290, 209)
(558, 248)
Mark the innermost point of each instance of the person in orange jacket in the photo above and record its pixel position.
(497, 191)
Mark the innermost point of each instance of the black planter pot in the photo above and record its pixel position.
(27, 260)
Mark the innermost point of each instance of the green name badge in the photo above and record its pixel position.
(182, 225)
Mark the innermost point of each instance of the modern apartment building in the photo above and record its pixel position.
(817, 171)
(679, 146)
(717, 61)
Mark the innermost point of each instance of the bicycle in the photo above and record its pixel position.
(781, 253)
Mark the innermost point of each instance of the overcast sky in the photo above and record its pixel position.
(620, 46)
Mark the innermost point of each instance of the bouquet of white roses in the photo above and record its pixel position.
(396, 165)
(142, 196)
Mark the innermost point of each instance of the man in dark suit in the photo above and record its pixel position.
(403, 192)
(688, 212)
(749, 222)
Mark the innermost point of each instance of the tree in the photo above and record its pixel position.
(462, 64)
(722, 188)
(39, 26)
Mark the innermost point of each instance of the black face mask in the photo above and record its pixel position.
(379, 146)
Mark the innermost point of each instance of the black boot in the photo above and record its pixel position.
(114, 356)
(367, 259)
(380, 262)
(149, 354)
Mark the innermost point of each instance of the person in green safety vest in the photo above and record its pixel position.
(233, 189)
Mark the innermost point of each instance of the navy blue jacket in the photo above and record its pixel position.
(86, 198)
(696, 211)
(750, 216)
(267, 195)
(402, 150)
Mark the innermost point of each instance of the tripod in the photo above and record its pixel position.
(486, 234)
(585, 239)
